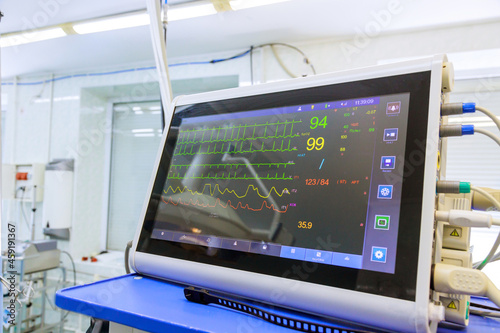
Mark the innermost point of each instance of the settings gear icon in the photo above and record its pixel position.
(385, 192)
(379, 254)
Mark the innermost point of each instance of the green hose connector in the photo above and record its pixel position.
(464, 187)
(447, 186)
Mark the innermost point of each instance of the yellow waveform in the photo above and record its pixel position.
(216, 187)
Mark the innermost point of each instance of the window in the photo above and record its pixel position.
(136, 136)
(135, 139)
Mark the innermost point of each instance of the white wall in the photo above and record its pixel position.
(72, 126)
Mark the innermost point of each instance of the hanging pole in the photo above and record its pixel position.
(33, 211)
(160, 51)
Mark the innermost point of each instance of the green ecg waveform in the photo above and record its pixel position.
(230, 165)
(234, 177)
(240, 126)
(184, 137)
(216, 150)
(216, 187)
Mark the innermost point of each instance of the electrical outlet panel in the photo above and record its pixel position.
(16, 177)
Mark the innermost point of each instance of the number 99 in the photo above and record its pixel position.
(317, 144)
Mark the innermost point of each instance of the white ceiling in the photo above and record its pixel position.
(293, 21)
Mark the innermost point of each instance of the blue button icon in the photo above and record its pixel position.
(388, 162)
(319, 256)
(379, 254)
(390, 134)
(347, 260)
(293, 252)
(384, 192)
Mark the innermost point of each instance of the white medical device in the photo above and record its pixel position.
(316, 194)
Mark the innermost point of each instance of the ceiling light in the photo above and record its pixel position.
(142, 130)
(244, 4)
(136, 19)
(30, 37)
(176, 13)
(144, 135)
(113, 23)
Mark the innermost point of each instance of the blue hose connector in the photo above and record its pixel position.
(467, 129)
(468, 107)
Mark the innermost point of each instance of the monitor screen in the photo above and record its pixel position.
(325, 178)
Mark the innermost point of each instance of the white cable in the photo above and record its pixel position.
(487, 195)
(494, 248)
(453, 279)
(489, 114)
(465, 218)
(488, 134)
(282, 64)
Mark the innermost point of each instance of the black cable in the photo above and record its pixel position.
(486, 307)
(22, 188)
(239, 55)
(485, 313)
(202, 296)
(127, 252)
(165, 35)
(162, 115)
(306, 59)
(244, 53)
(251, 64)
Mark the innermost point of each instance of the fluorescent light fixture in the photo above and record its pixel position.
(245, 4)
(130, 20)
(180, 12)
(112, 23)
(144, 135)
(143, 130)
(57, 99)
(139, 112)
(32, 36)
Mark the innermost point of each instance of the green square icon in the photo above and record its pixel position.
(382, 222)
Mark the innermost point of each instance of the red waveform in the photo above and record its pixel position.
(218, 202)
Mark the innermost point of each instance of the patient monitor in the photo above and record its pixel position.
(316, 194)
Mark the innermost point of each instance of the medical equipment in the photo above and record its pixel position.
(316, 194)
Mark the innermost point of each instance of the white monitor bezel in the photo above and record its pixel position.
(377, 311)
